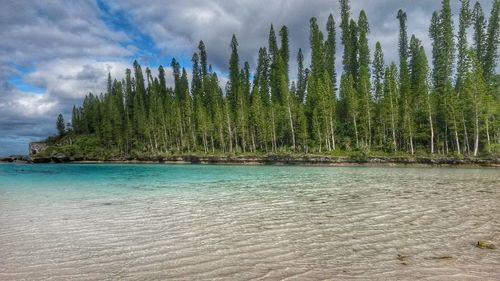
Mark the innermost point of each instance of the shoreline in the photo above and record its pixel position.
(306, 160)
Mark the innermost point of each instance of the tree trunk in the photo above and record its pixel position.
(356, 132)
(432, 131)
(236, 139)
(229, 132)
(291, 124)
(212, 139)
(457, 141)
(466, 137)
(369, 120)
(333, 133)
(205, 142)
(393, 126)
(488, 135)
(165, 135)
(476, 132)
(274, 129)
(253, 142)
(411, 142)
(180, 130)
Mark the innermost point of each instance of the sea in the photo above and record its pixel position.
(247, 222)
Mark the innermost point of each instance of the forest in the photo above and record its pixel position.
(448, 104)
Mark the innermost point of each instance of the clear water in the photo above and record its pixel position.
(198, 222)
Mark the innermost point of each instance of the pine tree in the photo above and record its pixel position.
(405, 125)
(301, 77)
(346, 35)
(475, 97)
(354, 45)
(60, 125)
(492, 42)
(464, 22)
(234, 70)
(447, 56)
(203, 58)
(197, 91)
(407, 108)
(364, 88)
(287, 102)
(421, 114)
(390, 101)
(275, 87)
(378, 90)
(479, 24)
(350, 103)
(490, 62)
(260, 102)
(320, 101)
(330, 52)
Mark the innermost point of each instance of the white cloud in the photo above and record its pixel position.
(37, 31)
(18, 104)
(74, 78)
(176, 26)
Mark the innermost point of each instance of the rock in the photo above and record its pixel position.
(15, 158)
(6, 159)
(60, 158)
(483, 244)
(40, 160)
(402, 257)
(37, 147)
(440, 258)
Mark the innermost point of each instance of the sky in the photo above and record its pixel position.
(53, 53)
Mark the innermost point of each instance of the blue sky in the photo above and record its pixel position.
(53, 53)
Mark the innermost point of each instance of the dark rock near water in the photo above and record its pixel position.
(272, 159)
(40, 160)
(60, 158)
(6, 159)
(15, 158)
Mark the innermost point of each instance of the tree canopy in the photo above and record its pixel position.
(449, 106)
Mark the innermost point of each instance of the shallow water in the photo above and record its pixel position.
(198, 222)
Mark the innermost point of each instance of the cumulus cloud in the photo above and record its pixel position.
(34, 31)
(23, 118)
(74, 78)
(59, 47)
(177, 26)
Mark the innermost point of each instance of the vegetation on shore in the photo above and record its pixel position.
(373, 109)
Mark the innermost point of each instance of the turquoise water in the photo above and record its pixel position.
(230, 222)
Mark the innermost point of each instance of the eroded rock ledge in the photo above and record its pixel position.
(277, 159)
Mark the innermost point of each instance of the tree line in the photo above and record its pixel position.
(448, 105)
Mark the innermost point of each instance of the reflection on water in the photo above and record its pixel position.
(196, 222)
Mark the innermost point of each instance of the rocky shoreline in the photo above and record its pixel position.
(272, 160)
(15, 158)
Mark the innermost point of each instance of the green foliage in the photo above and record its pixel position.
(60, 125)
(379, 109)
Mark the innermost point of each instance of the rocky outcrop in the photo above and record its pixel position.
(310, 160)
(37, 148)
(14, 158)
(60, 158)
(280, 160)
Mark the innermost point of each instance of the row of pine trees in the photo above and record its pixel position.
(452, 107)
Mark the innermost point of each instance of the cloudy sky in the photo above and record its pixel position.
(52, 53)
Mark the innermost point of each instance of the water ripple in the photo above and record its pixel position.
(332, 223)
